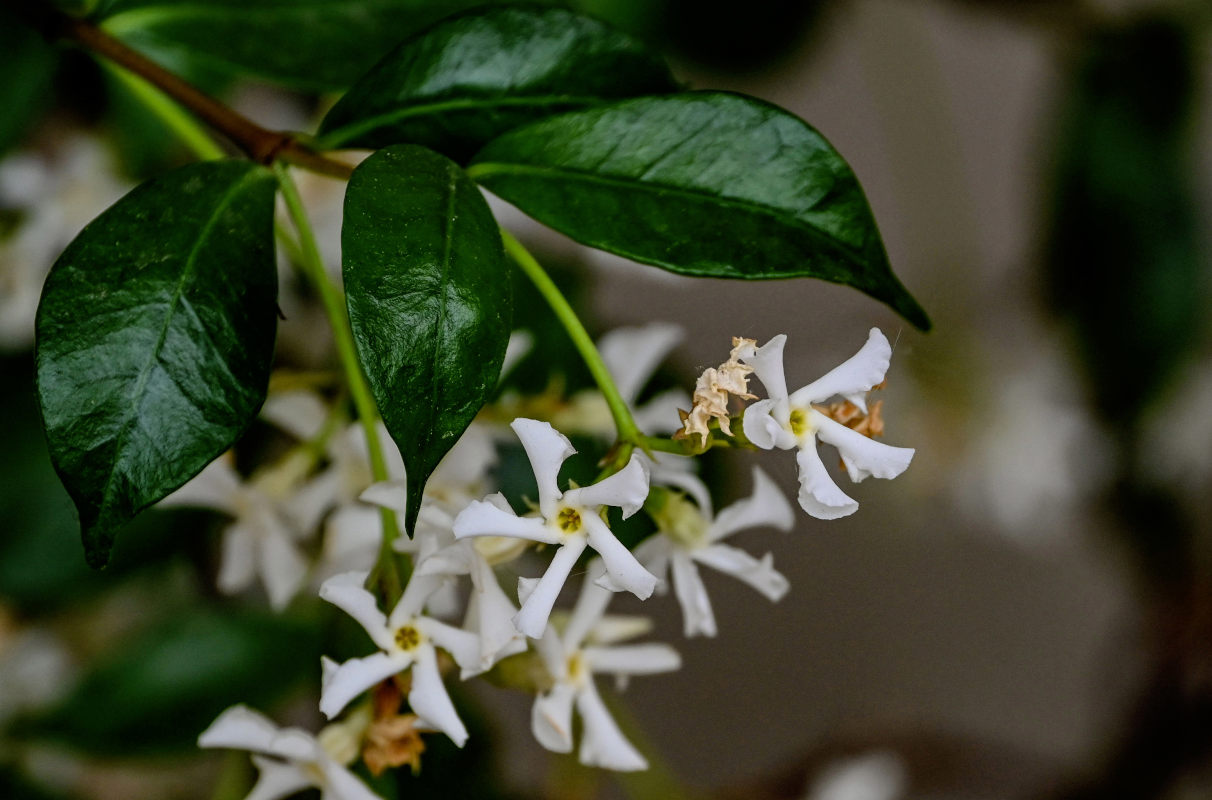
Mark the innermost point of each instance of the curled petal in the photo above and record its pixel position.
(767, 363)
(531, 620)
(862, 456)
(632, 354)
(621, 565)
(760, 574)
(626, 489)
(697, 614)
(240, 728)
(430, 700)
(482, 518)
(463, 645)
(654, 553)
(602, 743)
(854, 376)
(551, 718)
(763, 429)
(356, 676)
(346, 592)
(633, 659)
(819, 495)
(766, 506)
(277, 780)
(547, 450)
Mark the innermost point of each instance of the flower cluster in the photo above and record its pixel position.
(467, 530)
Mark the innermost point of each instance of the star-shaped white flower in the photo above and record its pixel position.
(298, 759)
(588, 646)
(789, 421)
(407, 638)
(568, 519)
(690, 534)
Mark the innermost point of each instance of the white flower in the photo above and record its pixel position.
(631, 356)
(406, 638)
(789, 421)
(299, 761)
(568, 519)
(588, 646)
(690, 534)
(261, 541)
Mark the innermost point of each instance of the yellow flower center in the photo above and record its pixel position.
(798, 421)
(569, 520)
(577, 670)
(408, 637)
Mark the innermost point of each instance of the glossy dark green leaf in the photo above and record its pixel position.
(1126, 258)
(429, 299)
(699, 183)
(155, 335)
(308, 44)
(469, 79)
(156, 692)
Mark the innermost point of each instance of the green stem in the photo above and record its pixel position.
(623, 421)
(178, 120)
(387, 569)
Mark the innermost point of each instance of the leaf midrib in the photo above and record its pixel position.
(138, 392)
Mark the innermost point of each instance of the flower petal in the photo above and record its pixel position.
(855, 375)
(862, 456)
(356, 676)
(418, 590)
(660, 414)
(389, 494)
(343, 784)
(602, 743)
(482, 518)
(767, 363)
(760, 574)
(766, 506)
(633, 659)
(531, 620)
(346, 591)
(590, 606)
(819, 495)
(301, 413)
(282, 566)
(632, 354)
(697, 614)
(240, 728)
(627, 489)
(551, 718)
(763, 429)
(308, 504)
(430, 700)
(277, 780)
(463, 646)
(654, 553)
(547, 450)
(238, 562)
(621, 565)
(216, 486)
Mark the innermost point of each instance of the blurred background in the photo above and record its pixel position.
(1026, 613)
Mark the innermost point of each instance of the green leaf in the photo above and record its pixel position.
(321, 45)
(469, 79)
(157, 691)
(155, 335)
(699, 183)
(429, 299)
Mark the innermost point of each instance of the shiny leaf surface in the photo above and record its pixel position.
(155, 335)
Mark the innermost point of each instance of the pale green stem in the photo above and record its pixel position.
(628, 433)
(312, 264)
(180, 121)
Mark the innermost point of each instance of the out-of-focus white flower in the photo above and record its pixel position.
(569, 519)
(261, 541)
(55, 198)
(589, 645)
(690, 534)
(631, 356)
(874, 776)
(790, 421)
(298, 759)
(407, 638)
(35, 669)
